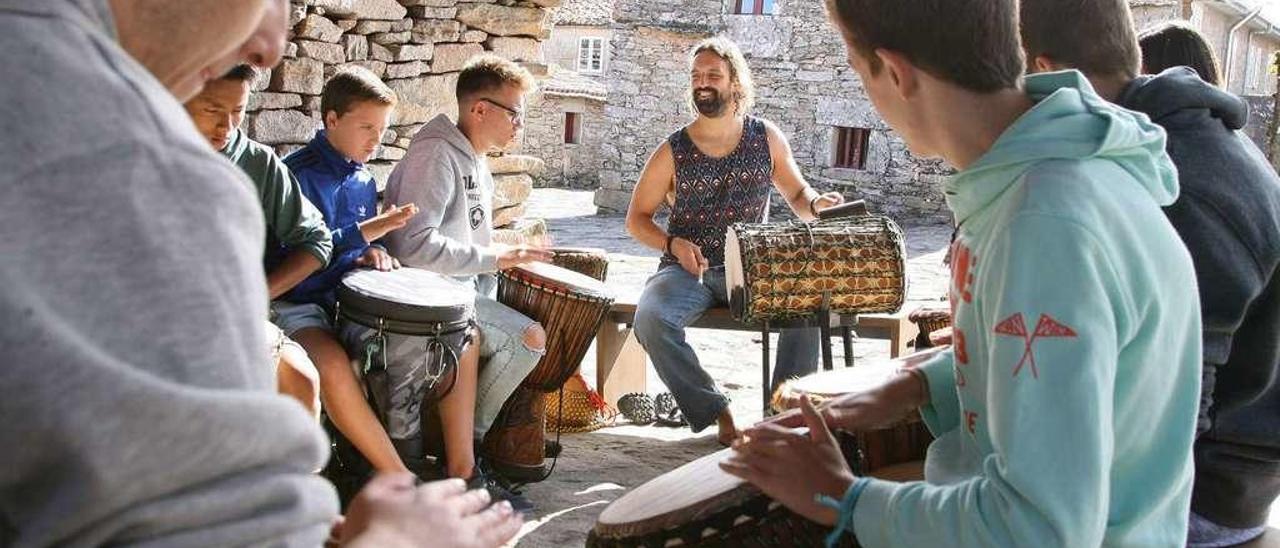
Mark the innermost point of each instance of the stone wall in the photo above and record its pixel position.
(575, 166)
(1262, 108)
(1149, 13)
(416, 46)
(803, 85)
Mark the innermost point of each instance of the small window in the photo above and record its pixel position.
(572, 128)
(753, 7)
(851, 147)
(591, 55)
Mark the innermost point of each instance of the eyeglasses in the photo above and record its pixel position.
(517, 117)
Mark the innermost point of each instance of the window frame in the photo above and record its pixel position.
(757, 7)
(588, 45)
(849, 148)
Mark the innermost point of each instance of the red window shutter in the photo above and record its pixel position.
(570, 127)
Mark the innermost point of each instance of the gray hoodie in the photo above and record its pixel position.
(138, 404)
(452, 186)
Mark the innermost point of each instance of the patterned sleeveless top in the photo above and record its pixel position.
(713, 193)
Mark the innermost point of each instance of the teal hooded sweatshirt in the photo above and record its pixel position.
(1065, 410)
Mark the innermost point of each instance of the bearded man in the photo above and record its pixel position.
(719, 169)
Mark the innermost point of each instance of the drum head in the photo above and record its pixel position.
(867, 374)
(686, 494)
(592, 251)
(407, 295)
(733, 277)
(559, 279)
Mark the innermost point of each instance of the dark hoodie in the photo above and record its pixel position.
(1229, 217)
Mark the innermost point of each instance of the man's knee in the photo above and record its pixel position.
(653, 320)
(535, 338)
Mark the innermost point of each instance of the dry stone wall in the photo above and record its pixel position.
(416, 46)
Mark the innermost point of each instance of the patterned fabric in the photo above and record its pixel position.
(786, 268)
(713, 193)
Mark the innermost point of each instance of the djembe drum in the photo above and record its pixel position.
(700, 505)
(404, 330)
(576, 407)
(570, 307)
(905, 441)
(777, 271)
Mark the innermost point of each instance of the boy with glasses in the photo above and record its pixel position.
(445, 175)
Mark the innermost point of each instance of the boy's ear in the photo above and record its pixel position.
(1042, 63)
(902, 73)
(330, 119)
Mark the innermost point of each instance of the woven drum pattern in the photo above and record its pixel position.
(786, 268)
(583, 261)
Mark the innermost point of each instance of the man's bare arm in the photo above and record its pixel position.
(802, 198)
(657, 179)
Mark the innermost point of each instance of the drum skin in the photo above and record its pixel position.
(905, 441)
(700, 505)
(779, 271)
(405, 295)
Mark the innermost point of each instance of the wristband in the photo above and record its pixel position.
(845, 507)
(812, 201)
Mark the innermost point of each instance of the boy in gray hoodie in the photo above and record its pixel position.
(446, 176)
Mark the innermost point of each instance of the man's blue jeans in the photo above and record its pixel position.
(672, 300)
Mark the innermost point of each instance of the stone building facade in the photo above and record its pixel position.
(565, 122)
(803, 84)
(565, 128)
(416, 46)
(1245, 57)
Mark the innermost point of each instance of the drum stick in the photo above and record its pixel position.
(850, 209)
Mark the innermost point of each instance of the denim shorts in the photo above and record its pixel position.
(294, 317)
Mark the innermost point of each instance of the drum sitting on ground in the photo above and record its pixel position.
(700, 505)
(405, 329)
(905, 441)
(778, 271)
(570, 306)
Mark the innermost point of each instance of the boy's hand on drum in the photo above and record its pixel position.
(690, 256)
(868, 410)
(879, 407)
(392, 512)
(391, 219)
(375, 257)
(793, 466)
(523, 254)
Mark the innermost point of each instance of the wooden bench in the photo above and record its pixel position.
(621, 362)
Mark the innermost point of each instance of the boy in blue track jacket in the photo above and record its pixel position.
(1065, 410)
(331, 171)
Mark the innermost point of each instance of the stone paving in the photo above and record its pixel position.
(600, 466)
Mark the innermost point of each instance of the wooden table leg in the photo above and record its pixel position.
(621, 365)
